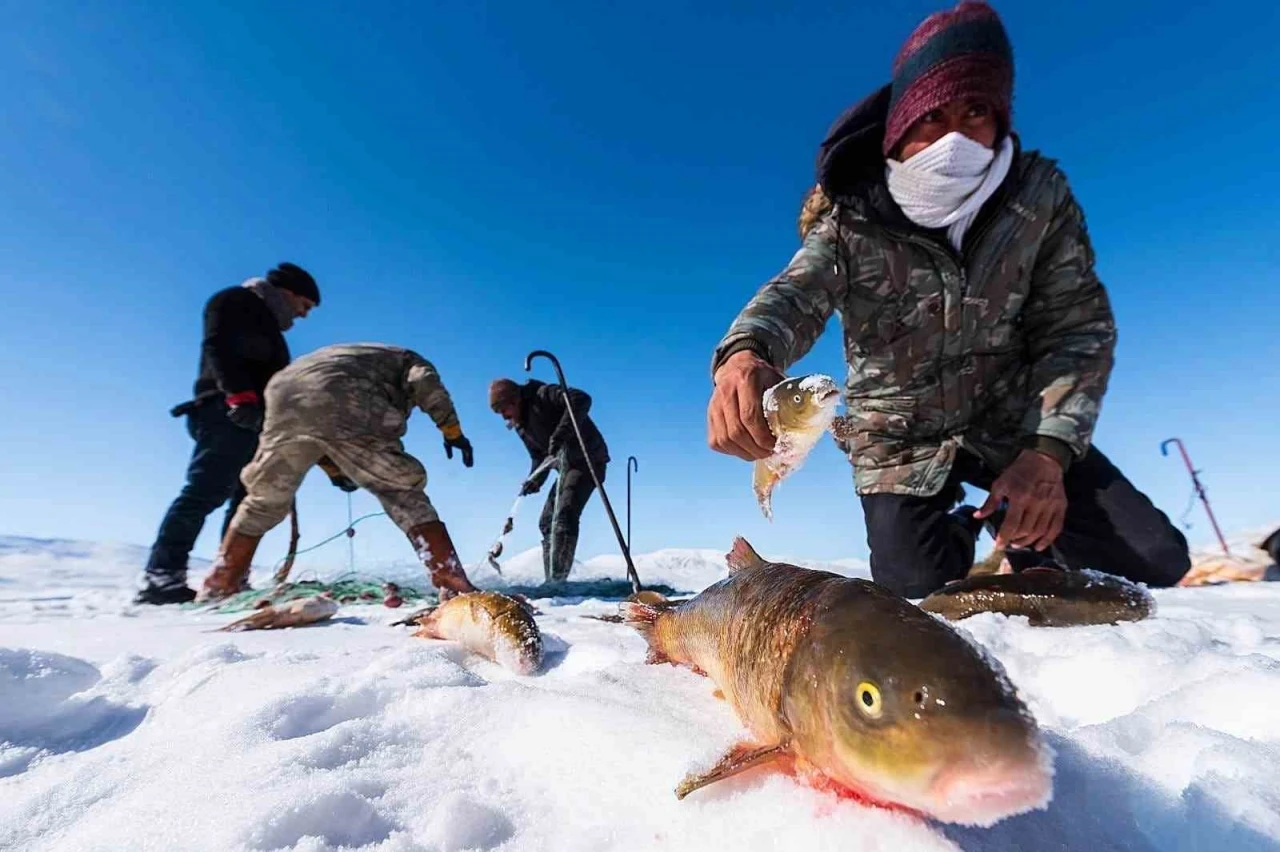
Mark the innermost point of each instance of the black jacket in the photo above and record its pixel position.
(545, 427)
(243, 345)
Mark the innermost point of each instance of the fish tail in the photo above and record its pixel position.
(644, 618)
(762, 481)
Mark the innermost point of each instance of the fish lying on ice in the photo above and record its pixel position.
(295, 613)
(491, 624)
(799, 412)
(1048, 597)
(856, 689)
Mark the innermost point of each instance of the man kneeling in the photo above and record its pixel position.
(345, 408)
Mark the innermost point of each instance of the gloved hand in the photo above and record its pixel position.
(344, 483)
(245, 410)
(530, 487)
(460, 443)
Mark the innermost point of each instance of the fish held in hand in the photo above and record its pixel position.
(857, 690)
(295, 613)
(491, 624)
(1048, 597)
(799, 412)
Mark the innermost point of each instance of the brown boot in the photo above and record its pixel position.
(230, 568)
(437, 553)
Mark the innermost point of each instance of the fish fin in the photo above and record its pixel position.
(740, 758)
(414, 617)
(763, 479)
(742, 556)
(643, 617)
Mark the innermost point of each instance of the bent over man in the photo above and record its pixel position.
(345, 408)
(539, 414)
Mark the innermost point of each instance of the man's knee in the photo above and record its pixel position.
(257, 515)
(916, 548)
(1165, 557)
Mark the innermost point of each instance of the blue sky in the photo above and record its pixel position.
(476, 180)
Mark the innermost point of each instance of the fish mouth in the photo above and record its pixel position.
(984, 795)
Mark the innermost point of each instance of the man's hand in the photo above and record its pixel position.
(1037, 501)
(735, 416)
(245, 410)
(461, 443)
(530, 486)
(344, 483)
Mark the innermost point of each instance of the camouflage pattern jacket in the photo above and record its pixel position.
(1008, 344)
(360, 392)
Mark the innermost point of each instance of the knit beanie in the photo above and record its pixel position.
(295, 279)
(963, 52)
(501, 392)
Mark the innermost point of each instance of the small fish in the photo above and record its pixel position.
(1048, 597)
(295, 613)
(798, 411)
(491, 624)
(856, 690)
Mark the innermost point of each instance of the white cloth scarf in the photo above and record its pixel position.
(946, 184)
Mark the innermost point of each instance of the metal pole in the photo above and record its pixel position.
(351, 539)
(632, 463)
(604, 496)
(1195, 481)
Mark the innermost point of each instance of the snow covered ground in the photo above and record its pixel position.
(123, 728)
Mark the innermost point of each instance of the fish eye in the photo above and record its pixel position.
(797, 399)
(867, 696)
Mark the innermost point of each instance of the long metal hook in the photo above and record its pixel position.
(604, 496)
(632, 464)
(1195, 481)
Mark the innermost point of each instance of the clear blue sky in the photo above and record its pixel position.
(476, 180)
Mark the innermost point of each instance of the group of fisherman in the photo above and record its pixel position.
(978, 337)
(260, 422)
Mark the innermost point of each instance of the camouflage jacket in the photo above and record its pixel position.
(1005, 345)
(356, 391)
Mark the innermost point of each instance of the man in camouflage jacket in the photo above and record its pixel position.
(979, 354)
(345, 408)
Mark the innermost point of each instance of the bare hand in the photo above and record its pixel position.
(735, 415)
(1037, 501)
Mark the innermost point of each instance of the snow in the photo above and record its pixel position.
(131, 728)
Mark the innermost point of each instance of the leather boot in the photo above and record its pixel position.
(435, 549)
(231, 567)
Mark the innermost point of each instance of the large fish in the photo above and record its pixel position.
(857, 690)
(1048, 597)
(799, 412)
(295, 613)
(497, 627)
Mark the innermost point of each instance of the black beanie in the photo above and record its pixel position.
(295, 279)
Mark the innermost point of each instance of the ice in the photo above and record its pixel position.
(139, 728)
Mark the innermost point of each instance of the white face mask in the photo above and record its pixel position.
(946, 184)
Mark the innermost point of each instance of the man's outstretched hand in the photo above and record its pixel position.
(735, 416)
(1037, 501)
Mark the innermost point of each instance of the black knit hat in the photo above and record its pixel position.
(961, 52)
(295, 279)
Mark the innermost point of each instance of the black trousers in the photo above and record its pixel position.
(1110, 526)
(561, 517)
(213, 477)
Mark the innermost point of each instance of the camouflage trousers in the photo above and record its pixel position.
(381, 467)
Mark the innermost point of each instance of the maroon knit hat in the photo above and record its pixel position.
(963, 52)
